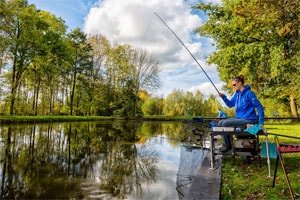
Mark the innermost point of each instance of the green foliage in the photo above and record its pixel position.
(54, 72)
(180, 103)
(211, 106)
(152, 106)
(274, 108)
(259, 39)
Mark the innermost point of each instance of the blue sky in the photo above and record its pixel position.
(72, 11)
(133, 22)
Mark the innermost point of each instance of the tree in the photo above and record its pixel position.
(81, 60)
(127, 72)
(144, 72)
(21, 34)
(152, 106)
(4, 29)
(260, 39)
(172, 105)
(180, 103)
(32, 44)
(49, 61)
(211, 106)
(51, 72)
(100, 46)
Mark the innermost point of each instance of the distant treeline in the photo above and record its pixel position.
(45, 70)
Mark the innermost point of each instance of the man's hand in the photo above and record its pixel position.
(221, 95)
(261, 126)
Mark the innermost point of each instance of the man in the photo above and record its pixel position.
(248, 109)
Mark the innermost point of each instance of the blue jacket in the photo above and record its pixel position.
(245, 103)
(221, 114)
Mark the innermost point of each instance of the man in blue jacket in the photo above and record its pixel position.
(248, 109)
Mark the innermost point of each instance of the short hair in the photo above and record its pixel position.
(239, 78)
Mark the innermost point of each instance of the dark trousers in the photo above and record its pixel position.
(233, 122)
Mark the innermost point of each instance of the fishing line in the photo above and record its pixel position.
(275, 134)
(169, 138)
(185, 142)
(187, 50)
(147, 28)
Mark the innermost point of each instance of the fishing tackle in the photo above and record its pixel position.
(187, 50)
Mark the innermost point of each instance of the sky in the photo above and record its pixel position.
(133, 22)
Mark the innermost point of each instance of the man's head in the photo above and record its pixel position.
(238, 82)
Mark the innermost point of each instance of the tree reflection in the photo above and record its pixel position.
(52, 160)
(7, 169)
(174, 132)
(124, 170)
(126, 165)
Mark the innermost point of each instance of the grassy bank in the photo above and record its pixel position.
(243, 180)
(38, 119)
(32, 119)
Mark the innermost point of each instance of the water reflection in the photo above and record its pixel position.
(191, 159)
(119, 160)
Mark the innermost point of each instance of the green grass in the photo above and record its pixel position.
(241, 180)
(249, 181)
(289, 129)
(36, 119)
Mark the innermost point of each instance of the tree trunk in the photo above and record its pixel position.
(34, 98)
(72, 93)
(78, 100)
(13, 84)
(12, 101)
(90, 105)
(50, 100)
(37, 97)
(293, 106)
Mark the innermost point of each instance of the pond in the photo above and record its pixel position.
(105, 160)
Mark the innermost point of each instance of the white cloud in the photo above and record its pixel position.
(213, 1)
(207, 88)
(133, 22)
(192, 2)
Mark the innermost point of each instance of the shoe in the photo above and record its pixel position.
(224, 149)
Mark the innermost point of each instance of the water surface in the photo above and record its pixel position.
(108, 160)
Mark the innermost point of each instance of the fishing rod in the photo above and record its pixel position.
(187, 50)
(275, 134)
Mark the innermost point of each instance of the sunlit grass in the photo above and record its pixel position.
(241, 180)
(29, 119)
(249, 181)
(289, 129)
